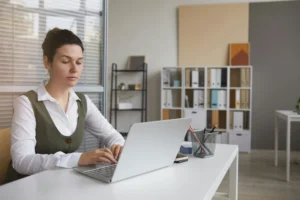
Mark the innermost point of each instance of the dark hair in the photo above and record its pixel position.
(56, 38)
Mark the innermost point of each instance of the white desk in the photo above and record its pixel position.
(196, 179)
(289, 116)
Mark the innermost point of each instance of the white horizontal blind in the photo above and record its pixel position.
(89, 141)
(23, 27)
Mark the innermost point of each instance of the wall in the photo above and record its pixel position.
(274, 37)
(146, 27)
(205, 32)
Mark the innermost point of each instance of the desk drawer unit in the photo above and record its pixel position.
(242, 139)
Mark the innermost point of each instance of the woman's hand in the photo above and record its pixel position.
(116, 150)
(97, 155)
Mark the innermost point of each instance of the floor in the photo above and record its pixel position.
(259, 179)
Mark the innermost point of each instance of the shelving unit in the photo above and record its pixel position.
(115, 92)
(231, 111)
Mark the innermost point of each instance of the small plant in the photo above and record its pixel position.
(121, 86)
(298, 106)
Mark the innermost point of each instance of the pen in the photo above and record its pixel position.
(212, 130)
(192, 130)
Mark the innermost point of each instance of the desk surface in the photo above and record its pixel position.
(197, 179)
(287, 113)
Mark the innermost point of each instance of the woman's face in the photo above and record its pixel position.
(66, 67)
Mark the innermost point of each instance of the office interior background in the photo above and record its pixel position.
(116, 29)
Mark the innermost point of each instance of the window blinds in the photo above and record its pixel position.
(23, 27)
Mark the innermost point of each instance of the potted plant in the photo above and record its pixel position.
(298, 106)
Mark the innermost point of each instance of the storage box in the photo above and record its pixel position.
(123, 106)
(186, 148)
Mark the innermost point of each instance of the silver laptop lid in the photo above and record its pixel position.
(150, 146)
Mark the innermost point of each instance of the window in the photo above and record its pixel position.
(23, 26)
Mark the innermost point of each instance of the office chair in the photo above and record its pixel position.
(4, 153)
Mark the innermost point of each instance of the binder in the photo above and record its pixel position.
(224, 77)
(215, 118)
(187, 77)
(169, 98)
(243, 77)
(243, 99)
(166, 115)
(235, 77)
(232, 99)
(231, 120)
(195, 98)
(246, 120)
(237, 99)
(214, 98)
(195, 79)
(209, 119)
(201, 98)
(166, 78)
(208, 98)
(201, 77)
(218, 78)
(187, 104)
(164, 98)
(247, 99)
(208, 78)
(238, 121)
(247, 77)
(190, 95)
(213, 77)
(198, 117)
(222, 119)
(222, 99)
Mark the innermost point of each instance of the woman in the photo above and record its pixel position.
(48, 123)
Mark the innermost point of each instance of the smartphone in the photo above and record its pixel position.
(181, 158)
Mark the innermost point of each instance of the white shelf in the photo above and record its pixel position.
(240, 88)
(243, 137)
(194, 88)
(244, 131)
(216, 109)
(240, 109)
(240, 67)
(190, 108)
(217, 88)
(172, 108)
(172, 88)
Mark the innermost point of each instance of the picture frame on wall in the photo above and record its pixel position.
(136, 62)
(239, 54)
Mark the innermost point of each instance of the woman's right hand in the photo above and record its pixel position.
(97, 155)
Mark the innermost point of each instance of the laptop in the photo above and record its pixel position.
(149, 146)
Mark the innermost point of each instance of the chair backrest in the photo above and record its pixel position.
(4, 152)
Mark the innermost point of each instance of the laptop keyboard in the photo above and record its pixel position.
(106, 171)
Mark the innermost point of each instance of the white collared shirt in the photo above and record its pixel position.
(23, 141)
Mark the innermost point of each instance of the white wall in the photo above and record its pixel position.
(147, 27)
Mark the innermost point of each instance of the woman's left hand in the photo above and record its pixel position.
(116, 149)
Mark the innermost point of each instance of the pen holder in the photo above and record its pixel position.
(207, 146)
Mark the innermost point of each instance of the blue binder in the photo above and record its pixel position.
(214, 98)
